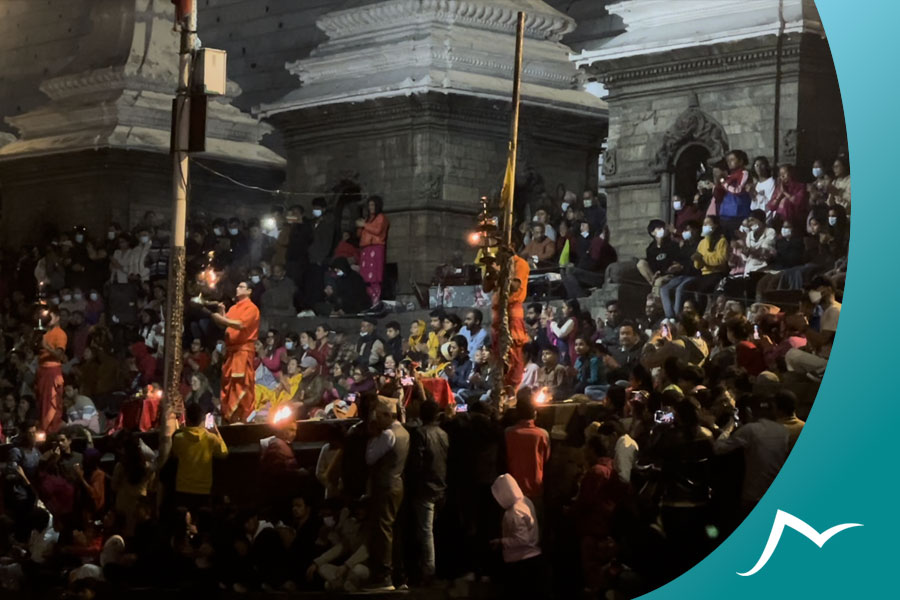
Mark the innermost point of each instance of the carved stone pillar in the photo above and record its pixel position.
(701, 77)
(413, 98)
(98, 151)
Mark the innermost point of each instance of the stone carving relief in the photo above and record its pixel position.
(609, 162)
(693, 125)
(789, 146)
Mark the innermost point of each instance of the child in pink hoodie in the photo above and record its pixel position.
(520, 541)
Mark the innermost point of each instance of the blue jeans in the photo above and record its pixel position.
(676, 288)
(424, 511)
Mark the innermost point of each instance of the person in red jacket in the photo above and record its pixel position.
(527, 450)
(373, 231)
(790, 202)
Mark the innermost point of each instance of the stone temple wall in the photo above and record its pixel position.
(734, 85)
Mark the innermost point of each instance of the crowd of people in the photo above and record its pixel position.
(624, 448)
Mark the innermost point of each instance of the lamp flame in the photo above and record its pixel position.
(474, 238)
(282, 414)
(541, 397)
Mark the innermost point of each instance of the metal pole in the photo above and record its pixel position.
(180, 183)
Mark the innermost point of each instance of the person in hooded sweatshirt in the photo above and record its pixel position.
(195, 448)
(520, 542)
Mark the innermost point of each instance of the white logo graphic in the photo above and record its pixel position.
(782, 520)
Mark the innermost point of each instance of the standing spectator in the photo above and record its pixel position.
(765, 445)
(299, 239)
(278, 299)
(429, 447)
(840, 187)
(372, 243)
(21, 474)
(765, 184)
(735, 205)
(524, 575)
(386, 454)
(786, 412)
(594, 214)
(527, 449)
(323, 239)
(195, 448)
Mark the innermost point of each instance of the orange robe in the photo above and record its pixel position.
(49, 381)
(238, 373)
(518, 333)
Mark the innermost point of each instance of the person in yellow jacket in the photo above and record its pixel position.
(195, 447)
(711, 259)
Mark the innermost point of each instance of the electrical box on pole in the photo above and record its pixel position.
(209, 72)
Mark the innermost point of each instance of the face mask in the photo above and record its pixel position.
(659, 234)
(79, 238)
(67, 298)
(786, 232)
(686, 235)
(233, 231)
(817, 172)
(254, 278)
(329, 521)
(317, 213)
(77, 296)
(363, 334)
(220, 347)
(565, 206)
(305, 346)
(94, 297)
(144, 239)
(754, 228)
(585, 234)
(110, 235)
(289, 345)
(339, 273)
(815, 296)
(588, 203)
(745, 229)
(677, 205)
(217, 230)
(707, 230)
(832, 221)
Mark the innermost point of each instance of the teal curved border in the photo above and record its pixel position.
(843, 468)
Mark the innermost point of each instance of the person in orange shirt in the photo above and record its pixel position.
(518, 291)
(373, 233)
(49, 381)
(241, 324)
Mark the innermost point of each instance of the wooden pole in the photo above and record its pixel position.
(506, 266)
(514, 126)
(186, 12)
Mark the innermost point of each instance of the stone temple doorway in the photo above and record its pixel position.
(690, 163)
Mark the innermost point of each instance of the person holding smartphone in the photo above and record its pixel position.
(196, 447)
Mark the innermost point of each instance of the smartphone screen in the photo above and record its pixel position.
(210, 421)
(461, 408)
(662, 416)
(407, 381)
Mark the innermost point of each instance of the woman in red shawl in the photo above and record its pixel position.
(790, 202)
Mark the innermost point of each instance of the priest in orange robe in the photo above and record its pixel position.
(518, 291)
(241, 324)
(49, 382)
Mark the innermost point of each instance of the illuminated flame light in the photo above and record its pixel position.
(541, 397)
(282, 414)
(474, 238)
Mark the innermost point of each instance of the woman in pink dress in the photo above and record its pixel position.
(373, 232)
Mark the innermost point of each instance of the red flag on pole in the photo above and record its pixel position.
(182, 8)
